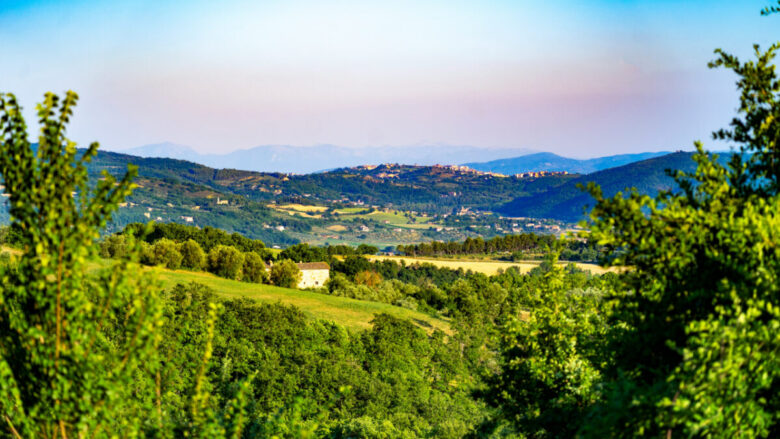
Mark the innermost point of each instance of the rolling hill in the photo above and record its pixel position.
(351, 313)
(568, 203)
(433, 189)
(254, 203)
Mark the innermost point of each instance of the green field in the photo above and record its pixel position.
(482, 266)
(351, 313)
(391, 218)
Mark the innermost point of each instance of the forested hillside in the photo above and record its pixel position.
(435, 189)
(569, 202)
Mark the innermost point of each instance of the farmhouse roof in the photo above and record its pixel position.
(313, 266)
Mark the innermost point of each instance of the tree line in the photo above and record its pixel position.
(519, 246)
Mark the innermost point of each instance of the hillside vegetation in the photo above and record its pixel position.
(350, 313)
(569, 202)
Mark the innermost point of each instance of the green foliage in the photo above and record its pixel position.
(192, 255)
(207, 237)
(80, 353)
(165, 252)
(254, 269)
(66, 369)
(114, 246)
(285, 274)
(771, 9)
(315, 379)
(226, 262)
(694, 343)
(549, 365)
(365, 249)
(304, 253)
(388, 269)
(473, 246)
(4, 234)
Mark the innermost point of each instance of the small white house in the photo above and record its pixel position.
(313, 274)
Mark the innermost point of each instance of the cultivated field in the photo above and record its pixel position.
(299, 207)
(391, 217)
(300, 210)
(486, 267)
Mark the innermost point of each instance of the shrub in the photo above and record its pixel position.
(147, 257)
(254, 268)
(285, 274)
(368, 278)
(114, 246)
(226, 261)
(166, 253)
(365, 249)
(55, 346)
(193, 256)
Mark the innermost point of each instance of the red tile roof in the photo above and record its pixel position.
(313, 266)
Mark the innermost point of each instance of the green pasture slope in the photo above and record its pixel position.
(350, 313)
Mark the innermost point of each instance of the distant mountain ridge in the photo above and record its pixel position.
(547, 161)
(567, 202)
(309, 159)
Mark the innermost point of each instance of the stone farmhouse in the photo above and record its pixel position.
(313, 274)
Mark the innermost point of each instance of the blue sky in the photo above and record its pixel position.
(579, 78)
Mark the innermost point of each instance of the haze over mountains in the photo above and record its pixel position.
(308, 159)
(318, 158)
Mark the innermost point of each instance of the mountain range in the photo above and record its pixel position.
(318, 158)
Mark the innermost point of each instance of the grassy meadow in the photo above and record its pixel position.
(351, 313)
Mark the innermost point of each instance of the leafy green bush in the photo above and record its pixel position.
(207, 237)
(114, 246)
(4, 234)
(696, 343)
(286, 274)
(65, 367)
(225, 261)
(254, 269)
(193, 256)
(304, 253)
(166, 253)
(79, 352)
(688, 345)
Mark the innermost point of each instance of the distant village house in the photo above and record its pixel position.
(313, 274)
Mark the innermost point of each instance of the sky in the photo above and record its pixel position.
(578, 78)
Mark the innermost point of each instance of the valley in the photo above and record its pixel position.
(382, 205)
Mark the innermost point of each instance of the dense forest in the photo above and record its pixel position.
(683, 340)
